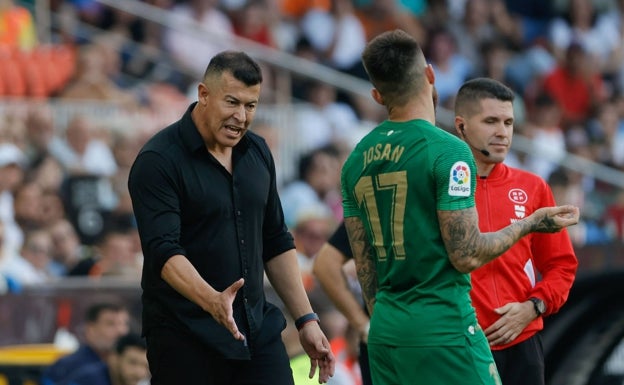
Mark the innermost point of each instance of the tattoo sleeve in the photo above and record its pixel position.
(467, 247)
(364, 260)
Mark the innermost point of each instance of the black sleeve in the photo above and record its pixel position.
(156, 204)
(276, 237)
(340, 240)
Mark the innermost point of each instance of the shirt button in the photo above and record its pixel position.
(471, 329)
(238, 212)
(242, 241)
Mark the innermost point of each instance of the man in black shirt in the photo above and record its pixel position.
(211, 224)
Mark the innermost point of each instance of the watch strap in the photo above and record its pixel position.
(538, 305)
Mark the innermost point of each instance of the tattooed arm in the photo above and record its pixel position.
(364, 260)
(469, 249)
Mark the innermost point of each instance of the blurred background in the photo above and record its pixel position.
(83, 84)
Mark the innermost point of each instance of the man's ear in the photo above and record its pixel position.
(377, 96)
(202, 93)
(459, 126)
(430, 74)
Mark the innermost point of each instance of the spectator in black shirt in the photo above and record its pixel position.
(211, 224)
(328, 269)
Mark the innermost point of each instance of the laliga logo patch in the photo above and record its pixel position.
(459, 181)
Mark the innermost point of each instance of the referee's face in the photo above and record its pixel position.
(491, 129)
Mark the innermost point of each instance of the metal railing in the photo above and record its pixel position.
(289, 65)
(276, 58)
(306, 68)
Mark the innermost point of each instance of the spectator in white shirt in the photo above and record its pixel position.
(191, 50)
(33, 266)
(12, 161)
(81, 152)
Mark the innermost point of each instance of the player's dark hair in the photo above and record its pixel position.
(395, 65)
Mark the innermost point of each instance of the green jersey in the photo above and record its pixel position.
(395, 180)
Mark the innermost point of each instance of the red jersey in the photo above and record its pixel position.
(503, 197)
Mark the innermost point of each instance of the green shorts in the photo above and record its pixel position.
(440, 365)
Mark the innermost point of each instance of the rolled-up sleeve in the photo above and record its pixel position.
(277, 238)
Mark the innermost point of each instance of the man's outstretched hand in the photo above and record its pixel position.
(220, 307)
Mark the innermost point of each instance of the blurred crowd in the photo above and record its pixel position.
(64, 205)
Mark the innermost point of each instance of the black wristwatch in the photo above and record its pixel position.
(538, 305)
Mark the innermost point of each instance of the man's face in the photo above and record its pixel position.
(79, 135)
(65, 240)
(229, 108)
(491, 129)
(11, 176)
(38, 249)
(110, 325)
(311, 234)
(131, 366)
(325, 173)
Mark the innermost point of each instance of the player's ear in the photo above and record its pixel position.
(430, 74)
(377, 96)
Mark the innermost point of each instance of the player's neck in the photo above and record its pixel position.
(411, 111)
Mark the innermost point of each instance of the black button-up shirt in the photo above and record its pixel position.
(227, 225)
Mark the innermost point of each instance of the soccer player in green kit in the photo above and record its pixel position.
(408, 195)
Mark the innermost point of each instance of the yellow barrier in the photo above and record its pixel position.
(20, 363)
(29, 354)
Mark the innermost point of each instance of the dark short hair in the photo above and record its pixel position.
(130, 340)
(395, 63)
(94, 311)
(307, 160)
(477, 89)
(239, 64)
(543, 99)
(115, 225)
